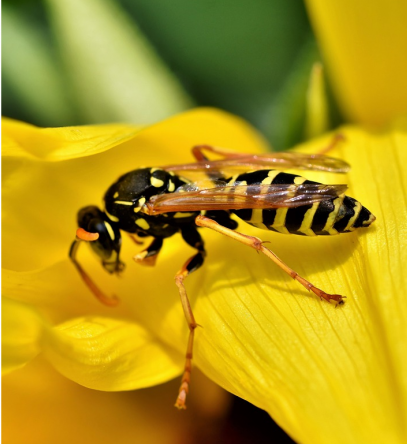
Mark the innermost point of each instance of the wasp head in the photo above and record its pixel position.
(108, 242)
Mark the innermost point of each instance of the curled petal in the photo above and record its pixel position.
(110, 354)
(22, 328)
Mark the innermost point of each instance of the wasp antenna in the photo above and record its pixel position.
(85, 235)
(98, 293)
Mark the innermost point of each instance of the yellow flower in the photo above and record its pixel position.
(324, 374)
(364, 45)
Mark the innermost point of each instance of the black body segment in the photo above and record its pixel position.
(332, 216)
(125, 198)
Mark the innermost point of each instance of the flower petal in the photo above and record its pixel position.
(310, 366)
(364, 47)
(109, 354)
(52, 144)
(57, 410)
(21, 332)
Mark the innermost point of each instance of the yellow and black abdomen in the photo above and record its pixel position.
(342, 214)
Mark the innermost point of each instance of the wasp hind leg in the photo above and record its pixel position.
(193, 238)
(257, 244)
(198, 152)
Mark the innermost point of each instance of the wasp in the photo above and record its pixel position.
(159, 202)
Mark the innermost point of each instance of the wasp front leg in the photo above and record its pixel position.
(149, 256)
(106, 300)
(193, 238)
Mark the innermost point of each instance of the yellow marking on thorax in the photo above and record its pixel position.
(111, 217)
(140, 203)
(123, 202)
(110, 230)
(115, 195)
(357, 208)
(171, 186)
(333, 214)
(307, 220)
(157, 183)
(142, 223)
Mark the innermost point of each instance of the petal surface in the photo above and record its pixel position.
(109, 354)
(21, 329)
(57, 410)
(324, 374)
(21, 139)
(364, 47)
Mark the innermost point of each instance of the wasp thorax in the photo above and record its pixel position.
(125, 199)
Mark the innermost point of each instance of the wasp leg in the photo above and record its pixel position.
(197, 152)
(257, 244)
(135, 239)
(336, 139)
(193, 238)
(149, 255)
(111, 301)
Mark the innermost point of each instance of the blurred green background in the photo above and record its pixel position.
(94, 61)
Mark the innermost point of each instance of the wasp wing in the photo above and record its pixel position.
(191, 198)
(280, 161)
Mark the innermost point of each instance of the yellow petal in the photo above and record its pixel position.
(21, 332)
(108, 354)
(324, 374)
(54, 407)
(42, 288)
(24, 140)
(317, 115)
(364, 46)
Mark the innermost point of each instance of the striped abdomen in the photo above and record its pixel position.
(338, 215)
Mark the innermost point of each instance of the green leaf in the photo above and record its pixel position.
(31, 73)
(116, 74)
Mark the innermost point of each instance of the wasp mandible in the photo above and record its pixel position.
(159, 202)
